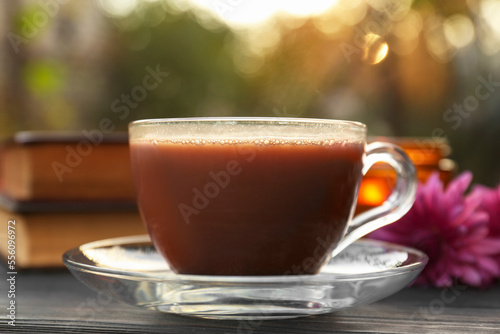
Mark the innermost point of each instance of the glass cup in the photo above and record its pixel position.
(258, 196)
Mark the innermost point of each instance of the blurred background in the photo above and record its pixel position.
(424, 69)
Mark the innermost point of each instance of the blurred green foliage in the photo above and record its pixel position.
(44, 77)
(202, 78)
(82, 65)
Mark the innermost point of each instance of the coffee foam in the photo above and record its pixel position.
(252, 141)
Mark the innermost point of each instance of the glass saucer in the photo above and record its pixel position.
(129, 269)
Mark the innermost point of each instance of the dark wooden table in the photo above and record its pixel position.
(55, 302)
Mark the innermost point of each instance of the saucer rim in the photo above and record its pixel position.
(165, 275)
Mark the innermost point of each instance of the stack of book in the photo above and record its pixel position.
(63, 190)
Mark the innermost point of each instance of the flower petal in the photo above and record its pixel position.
(432, 192)
(459, 233)
(455, 190)
(487, 246)
(466, 256)
(489, 265)
(471, 276)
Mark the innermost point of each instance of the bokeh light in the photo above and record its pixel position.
(489, 26)
(437, 43)
(459, 30)
(118, 7)
(397, 65)
(375, 49)
(490, 10)
(350, 12)
(407, 32)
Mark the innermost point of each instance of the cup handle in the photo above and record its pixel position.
(398, 203)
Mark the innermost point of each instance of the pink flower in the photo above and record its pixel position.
(453, 230)
(489, 201)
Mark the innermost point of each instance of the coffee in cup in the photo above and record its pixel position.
(257, 196)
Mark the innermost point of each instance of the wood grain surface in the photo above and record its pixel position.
(55, 302)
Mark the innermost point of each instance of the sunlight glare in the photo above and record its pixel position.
(308, 8)
(246, 12)
(118, 7)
